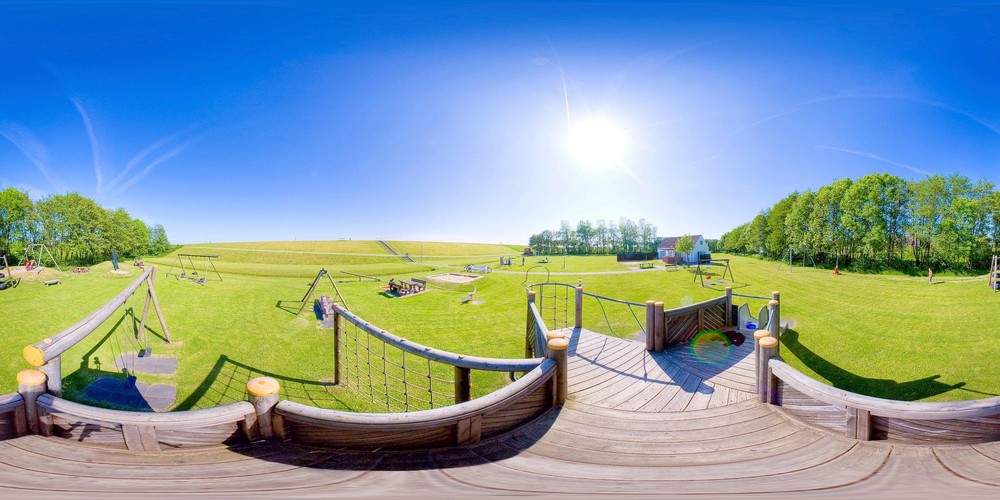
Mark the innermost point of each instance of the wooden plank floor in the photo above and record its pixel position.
(677, 423)
(618, 373)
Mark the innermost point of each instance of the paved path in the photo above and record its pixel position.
(678, 423)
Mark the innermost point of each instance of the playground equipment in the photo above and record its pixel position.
(995, 274)
(700, 274)
(193, 274)
(6, 278)
(315, 283)
(804, 255)
(34, 251)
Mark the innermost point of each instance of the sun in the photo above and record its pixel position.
(597, 142)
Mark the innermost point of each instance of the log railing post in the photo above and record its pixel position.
(463, 384)
(767, 346)
(263, 394)
(30, 384)
(557, 351)
(53, 373)
(757, 335)
(579, 307)
(650, 325)
(729, 306)
(529, 333)
(659, 327)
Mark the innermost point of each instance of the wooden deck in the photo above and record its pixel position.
(675, 423)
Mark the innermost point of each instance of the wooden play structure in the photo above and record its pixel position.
(699, 273)
(190, 272)
(682, 421)
(323, 273)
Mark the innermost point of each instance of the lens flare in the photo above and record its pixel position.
(711, 347)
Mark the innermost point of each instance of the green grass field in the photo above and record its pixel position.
(886, 336)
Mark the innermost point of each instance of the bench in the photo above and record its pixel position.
(52, 282)
(646, 265)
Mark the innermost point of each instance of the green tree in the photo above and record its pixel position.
(158, 242)
(776, 242)
(16, 216)
(684, 246)
(797, 228)
(76, 227)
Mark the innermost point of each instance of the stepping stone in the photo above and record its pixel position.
(157, 365)
(132, 394)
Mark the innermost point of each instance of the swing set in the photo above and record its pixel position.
(700, 274)
(315, 284)
(33, 255)
(193, 275)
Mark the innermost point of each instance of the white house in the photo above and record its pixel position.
(665, 251)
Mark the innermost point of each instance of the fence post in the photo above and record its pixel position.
(767, 346)
(557, 351)
(659, 326)
(579, 307)
(53, 373)
(650, 325)
(775, 320)
(30, 384)
(529, 332)
(729, 306)
(263, 395)
(336, 345)
(463, 384)
(757, 335)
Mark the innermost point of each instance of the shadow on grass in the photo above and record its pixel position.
(913, 390)
(226, 383)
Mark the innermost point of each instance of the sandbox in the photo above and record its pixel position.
(458, 278)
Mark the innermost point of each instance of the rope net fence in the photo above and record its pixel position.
(391, 379)
(393, 374)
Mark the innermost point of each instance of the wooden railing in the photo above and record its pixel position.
(145, 431)
(464, 423)
(864, 417)
(13, 421)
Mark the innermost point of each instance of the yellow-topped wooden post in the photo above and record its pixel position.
(757, 335)
(263, 393)
(557, 351)
(30, 384)
(767, 346)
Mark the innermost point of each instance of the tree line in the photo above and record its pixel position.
(75, 228)
(604, 237)
(880, 221)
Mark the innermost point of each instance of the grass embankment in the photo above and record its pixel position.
(885, 336)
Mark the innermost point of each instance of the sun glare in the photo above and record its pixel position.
(597, 142)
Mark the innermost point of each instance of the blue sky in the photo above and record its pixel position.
(235, 121)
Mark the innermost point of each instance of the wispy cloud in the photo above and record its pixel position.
(137, 159)
(94, 146)
(991, 126)
(33, 150)
(762, 120)
(154, 163)
(875, 157)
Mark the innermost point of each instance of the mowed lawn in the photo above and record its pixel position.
(879, 335)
